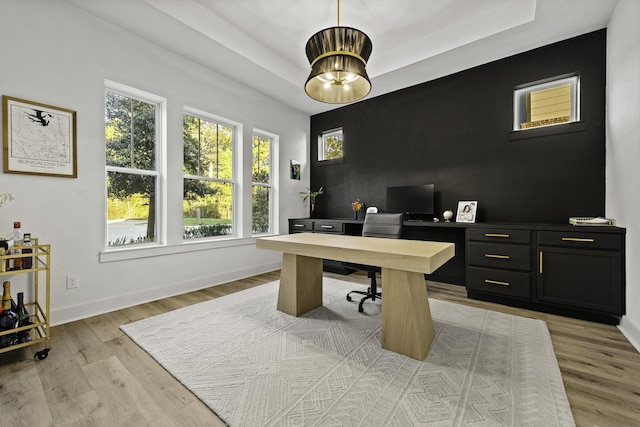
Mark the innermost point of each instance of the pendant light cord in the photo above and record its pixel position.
(338, 13)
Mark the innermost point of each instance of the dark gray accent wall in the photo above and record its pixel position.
(455, 132)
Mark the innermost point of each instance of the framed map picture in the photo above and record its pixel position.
(39, 139)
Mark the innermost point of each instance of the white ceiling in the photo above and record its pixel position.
(261, 43)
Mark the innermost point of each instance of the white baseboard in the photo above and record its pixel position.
(94, 308)
(630, 330)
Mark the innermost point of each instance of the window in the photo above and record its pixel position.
(547, 102)
(133, 153)
(330, 145)
(209, 186)
(262, 188)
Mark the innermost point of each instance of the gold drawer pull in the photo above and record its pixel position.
(299, 225)
(496, 256)
(496, 235)
(326, 226)
(577, 239)
(495, 282)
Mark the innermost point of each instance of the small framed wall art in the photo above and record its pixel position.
(39, 139)
(467, 211)
(295, 169)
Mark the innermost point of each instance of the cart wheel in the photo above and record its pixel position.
(42, 354)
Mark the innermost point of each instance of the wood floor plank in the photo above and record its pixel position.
(96, 376)
(126, 400)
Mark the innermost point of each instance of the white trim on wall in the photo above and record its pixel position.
(631, 331)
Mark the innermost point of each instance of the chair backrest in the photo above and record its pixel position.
(388, 225)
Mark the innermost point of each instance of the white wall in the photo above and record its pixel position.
(56, 54)
(623, 147)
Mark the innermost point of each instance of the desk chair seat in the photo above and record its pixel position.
(385, 225)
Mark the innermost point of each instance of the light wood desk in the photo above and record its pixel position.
(407, 327)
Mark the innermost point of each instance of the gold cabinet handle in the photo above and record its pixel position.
(496, 256)
(299, 225)
(577, 239)
(495, 282)
(496, 235)
(540, 262)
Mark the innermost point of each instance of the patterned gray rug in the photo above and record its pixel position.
(256, 366)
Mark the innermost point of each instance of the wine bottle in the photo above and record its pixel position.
(6, 296)
(8, 321)
(23, 319)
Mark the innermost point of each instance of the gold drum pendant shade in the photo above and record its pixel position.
(338, 57)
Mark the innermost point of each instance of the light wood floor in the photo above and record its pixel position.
(96, 376)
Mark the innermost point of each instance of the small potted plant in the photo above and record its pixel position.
(357, 207)
(311, 197)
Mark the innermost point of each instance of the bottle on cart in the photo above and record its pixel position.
(27, 262)
(8, 317)
(7, 301)
(7, 264)
(8, 321)
(17, 233)
(23, 319)
(18, 237)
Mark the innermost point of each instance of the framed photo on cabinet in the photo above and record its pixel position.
(39, 139)
(467, 211)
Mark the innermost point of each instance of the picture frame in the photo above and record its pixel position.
(466, 211)
(295, 169)
(39, 139)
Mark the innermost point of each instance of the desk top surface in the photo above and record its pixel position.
(400, 254)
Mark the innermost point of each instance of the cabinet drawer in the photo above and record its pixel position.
(515, 257)
(580, 239)
(499, 235)
(298, 226)
(327, 227)
(501, 282)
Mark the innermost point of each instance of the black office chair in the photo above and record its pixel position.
(386, 225)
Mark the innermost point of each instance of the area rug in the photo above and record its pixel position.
(255, 366)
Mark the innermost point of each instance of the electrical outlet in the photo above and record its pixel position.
(73, 281)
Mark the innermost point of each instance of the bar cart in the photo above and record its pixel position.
(39, 314)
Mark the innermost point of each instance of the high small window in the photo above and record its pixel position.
(209, 185)
(330, 145)
(133, 152)
(546, 102)
(262, 188)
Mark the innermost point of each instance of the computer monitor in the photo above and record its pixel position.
(416, 201)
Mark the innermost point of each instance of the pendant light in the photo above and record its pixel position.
(338, 57)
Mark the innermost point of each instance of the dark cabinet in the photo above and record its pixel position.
(581, 269)
(562, 269)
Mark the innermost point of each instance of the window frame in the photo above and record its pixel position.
(322, 151)
(273, 179)
(520, 91)
(159, 173)
(236, 153)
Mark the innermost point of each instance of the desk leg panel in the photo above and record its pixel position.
(300, 284)
(407, 327)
